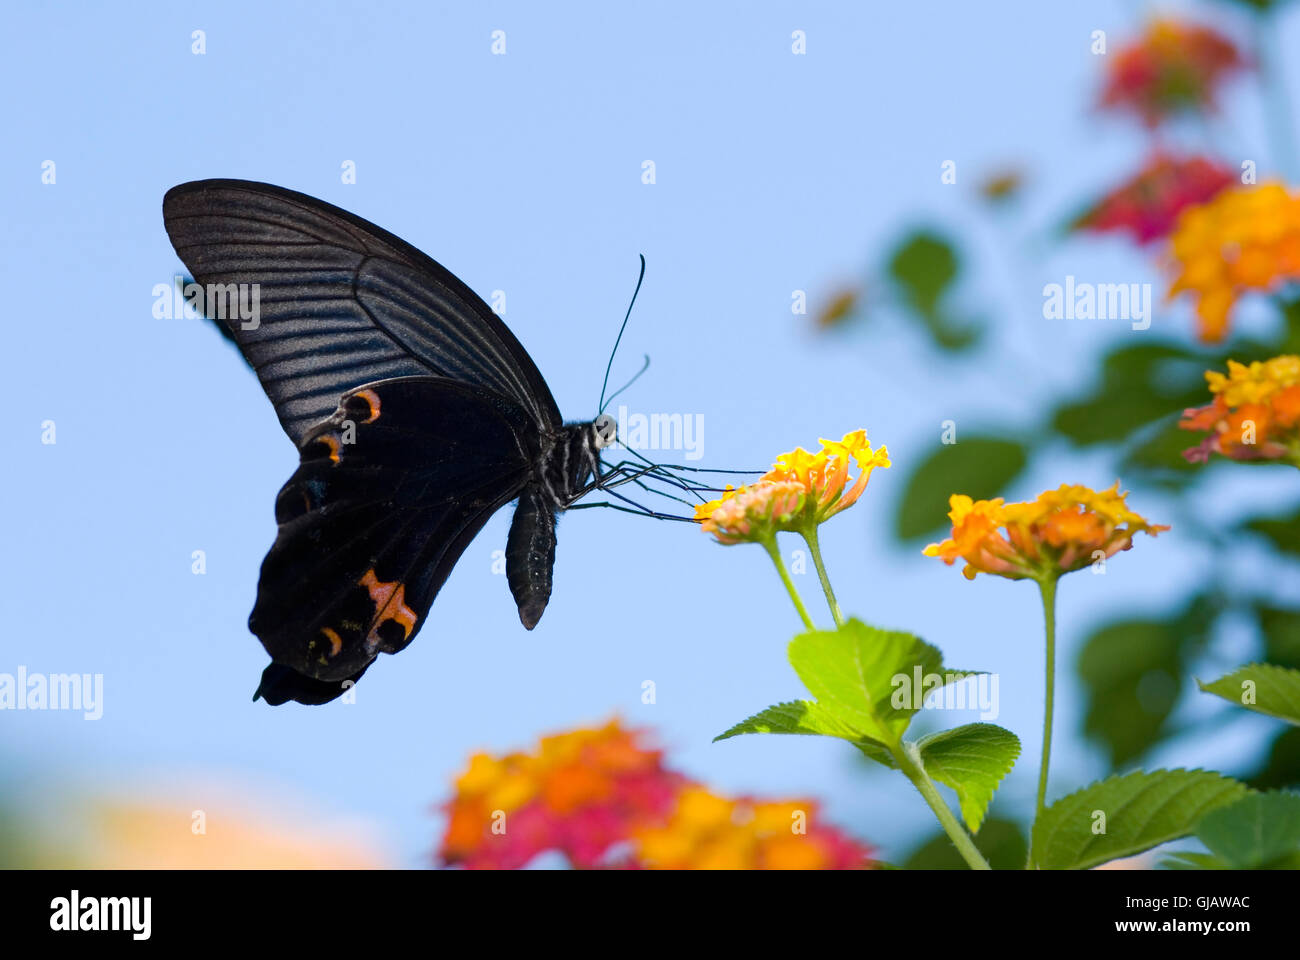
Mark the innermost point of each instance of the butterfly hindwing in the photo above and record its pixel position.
(340, 302)
(389, 492)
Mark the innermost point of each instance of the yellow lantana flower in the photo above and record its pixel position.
(801, 490)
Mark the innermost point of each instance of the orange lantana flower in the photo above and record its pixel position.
(1063, 530)
(709, 832)
(1255, 414)
(1245, 238)
(802, 489)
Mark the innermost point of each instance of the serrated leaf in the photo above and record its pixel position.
(1258, 831)
(1261, 687)
(972, 760)
(1137, 811)
(980, 466)
(856, 671)
(810, 719)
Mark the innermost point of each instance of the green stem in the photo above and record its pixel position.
(814, 547)
(1047, 587)
(909, 761)
(770, 546)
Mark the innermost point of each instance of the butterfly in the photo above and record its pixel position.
(417, 415)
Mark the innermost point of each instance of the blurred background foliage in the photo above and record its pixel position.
(1136, 671)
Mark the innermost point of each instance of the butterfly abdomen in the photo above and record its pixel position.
(530, 553)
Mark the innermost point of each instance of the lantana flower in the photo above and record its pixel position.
(1172, 68)
(1147, 205)
(1063, 530)
(580, 793)
(602, 798)
(800, 492)
(801, 489)
(1246, 238)
(1255, 414)
(710, 832)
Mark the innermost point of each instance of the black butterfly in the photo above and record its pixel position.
(417, 415)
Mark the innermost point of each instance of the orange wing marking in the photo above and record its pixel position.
(390, 604)
(372, 399)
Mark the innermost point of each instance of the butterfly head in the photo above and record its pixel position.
(604, 431)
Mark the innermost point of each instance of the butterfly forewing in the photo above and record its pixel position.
(340, 302)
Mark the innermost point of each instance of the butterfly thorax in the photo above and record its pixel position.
(567, 464)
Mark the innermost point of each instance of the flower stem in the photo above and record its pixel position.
(770, 546)
(814, 547)
(1047, 587)
(909, 761)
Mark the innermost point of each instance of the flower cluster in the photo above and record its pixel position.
(1255, 414)
(603, 799)
(709, 832)
(801, 489)
(1172, 68)
(1063, 530)
(1148, 205)
(1246, 238)
(579, 793)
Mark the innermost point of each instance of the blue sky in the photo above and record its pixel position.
(522, 173)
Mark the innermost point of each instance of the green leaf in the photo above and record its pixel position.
(1258, 831)
(1157, 453)
(867, 677)
(1190, 860)
(811, 719)
(923, 268)
(1129, 814)
(981, 467)
(972, 760)
(924, 265)
(1138, 385)
(1282, 766)
(1262, 687)
(1131, 671)
(1002, 842)
(1281, 629)
(1283, 530)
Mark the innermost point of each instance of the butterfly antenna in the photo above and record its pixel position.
(637, 376)
(609, 366)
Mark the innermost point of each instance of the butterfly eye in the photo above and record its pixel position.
(606, 430)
